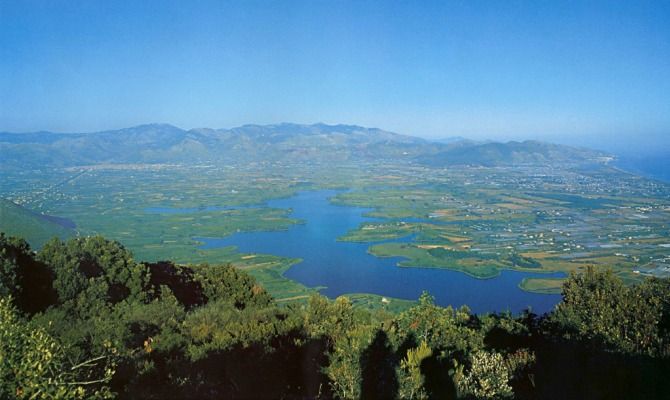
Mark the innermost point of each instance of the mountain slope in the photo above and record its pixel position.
(36, 228)
(165, 143)
(162, 143)
(529, 152)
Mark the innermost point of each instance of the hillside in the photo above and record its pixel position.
(162, 143)
(156, 143)
(36, 228)
(529, 152)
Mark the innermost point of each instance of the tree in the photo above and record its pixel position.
(96, 264)
(487, 378)
(11, 251)
(411, 379)
(344, 369)
(443, 329)
(33, 364)
(225, 282)
(330, 320)
(28, 281)
(599, 309)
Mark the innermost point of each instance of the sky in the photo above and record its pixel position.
(586, 71)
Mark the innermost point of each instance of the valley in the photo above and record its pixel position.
(334, 200)
(474, 220)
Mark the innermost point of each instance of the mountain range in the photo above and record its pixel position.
(163, 143)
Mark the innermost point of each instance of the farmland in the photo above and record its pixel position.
(477, 221)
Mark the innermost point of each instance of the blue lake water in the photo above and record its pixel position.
(344, 267)
(655, 166)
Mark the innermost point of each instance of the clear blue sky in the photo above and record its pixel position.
(499, 69)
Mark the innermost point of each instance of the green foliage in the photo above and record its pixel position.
(518, 260)
(180, 280)
(344, 369)
(226, 283)
(505, 322)
(520, 363)
(411, 378)
(91, 277)
(487, 378)
(33, 364)
(93, 269)
(11, 249)
(598, 308)
(22, 277)
(142, 328)
(443, 329)
(211, 331)
(219, 326)
(331, 320)
(592, 304)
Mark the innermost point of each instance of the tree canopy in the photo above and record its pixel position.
(83, 319)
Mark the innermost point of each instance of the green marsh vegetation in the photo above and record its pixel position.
(481, 221)
(476, 220)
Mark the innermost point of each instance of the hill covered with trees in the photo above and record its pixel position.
(84, 319)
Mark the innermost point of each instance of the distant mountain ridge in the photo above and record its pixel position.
(163, 143)
(529, 152)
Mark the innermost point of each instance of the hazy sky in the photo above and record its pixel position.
(499, 69)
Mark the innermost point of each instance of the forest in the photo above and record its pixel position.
(82, 319)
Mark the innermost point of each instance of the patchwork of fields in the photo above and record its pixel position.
(474, 220)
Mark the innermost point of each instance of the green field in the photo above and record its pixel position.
(478, 221)
(19, 221)
(539, 285)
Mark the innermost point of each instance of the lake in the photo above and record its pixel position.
(344, 267)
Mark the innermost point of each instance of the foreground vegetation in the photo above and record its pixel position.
(83, 319)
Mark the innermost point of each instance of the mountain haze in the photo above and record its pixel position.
(529, 152)
(163, 143)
